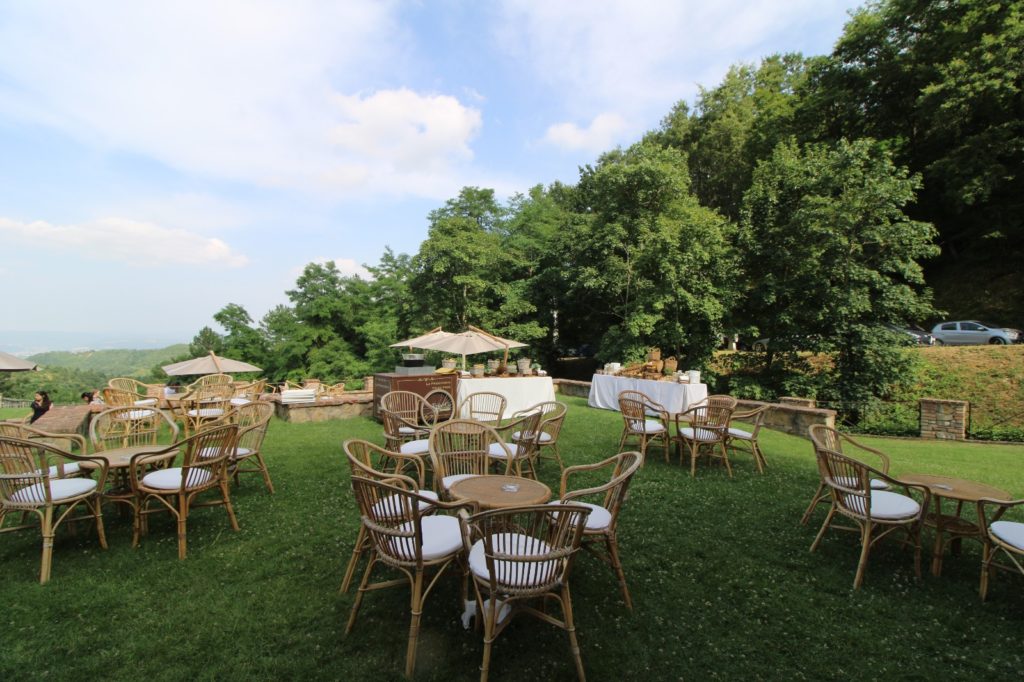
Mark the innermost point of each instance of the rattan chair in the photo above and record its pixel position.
(203, 405)
(826, 438)
(122, 427)
(334, 390)
(374, 462)
(248, 393)
(116, 397)
(68, 442)
(27, 486)
(408, 540)
(484, 406)
(183, 471)
(849, 483)
(403, 412)
(998, 536)
(550, 427)
(520, 440)
(637, 410)
(211, 380)
(603, 522)
(252, 419)
(143, 391)
(741, 439)
(704, 429)
(461, 448)
(521, 556)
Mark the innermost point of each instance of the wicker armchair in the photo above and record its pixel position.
(406, 539)
(849, 483)
(999, 536)
(211, 380)
(252, 420)
(69, 442)
(461, 448)
(827, 438)
(27, 486)
(484, 406)
(142, 390)
(520, 440)
(602, 524)
(403, 412)
(374, 462)
(204, 405)
(706, 430)
(519, 556)
(122, 427)
(637, 410)
(248, 393)
(116, 397)
(550, 426)
(202, 466)
(740, 439)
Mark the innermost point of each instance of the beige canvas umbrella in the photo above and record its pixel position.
(432, 336)
(12, 363)
(209, 364)
(470, 342)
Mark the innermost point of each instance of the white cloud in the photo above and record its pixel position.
(643, 56)
(600, 135)
(348, 267)
(131, 242)
(245, 90)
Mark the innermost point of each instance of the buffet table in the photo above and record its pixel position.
(674, 397)
(519, 392)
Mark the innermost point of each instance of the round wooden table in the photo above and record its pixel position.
(953, 525)
(500, 492)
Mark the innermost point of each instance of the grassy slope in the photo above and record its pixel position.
(990, 377)
(122, 362)
(721, 578)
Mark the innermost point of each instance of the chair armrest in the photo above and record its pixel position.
(1001, 506)
(579, 468)
(745, 416)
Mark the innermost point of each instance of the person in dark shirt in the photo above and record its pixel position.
(39, 406)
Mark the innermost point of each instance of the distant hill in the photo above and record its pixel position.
(112, 362)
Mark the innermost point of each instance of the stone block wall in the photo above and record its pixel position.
(793, 419)
(354, 404)
(944, 419)
(798, 402)
(579, 389)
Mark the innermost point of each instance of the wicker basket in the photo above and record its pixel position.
(654, 354)
(671, 365)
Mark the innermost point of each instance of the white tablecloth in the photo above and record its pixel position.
(520, 392)
(675, 397)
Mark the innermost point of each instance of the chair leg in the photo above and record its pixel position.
(762, 463)
(694, 452)
(558, 455)
(818, 497)
(570, 627)
(97, 511)
(414, 624)
(359, 594)
(613, 552)
(266, 473)
(490, 612)
(824, 527)
(225, 493)
(725, 458)
(47, 559)
(622, 440)
(665, 446)
(182, 520)
(357, 552)
(865, 549)
(986, 568)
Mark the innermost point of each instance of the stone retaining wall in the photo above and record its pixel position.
(944, 419)
(792, 419)
(65, 419)
(354, 404)
(580, 389)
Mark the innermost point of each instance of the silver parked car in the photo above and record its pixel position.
(971, 332)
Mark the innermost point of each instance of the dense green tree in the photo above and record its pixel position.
(242, 341)
(205, 341)
(829, 256)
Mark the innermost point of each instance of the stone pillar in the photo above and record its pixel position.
(368, 383)
(944, 419)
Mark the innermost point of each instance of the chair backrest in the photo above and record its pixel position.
(623, 467)
(370, 460)
(26, 468)
(252, 390)
(121, 427)
(529, 550)
(252, 420)
(849, 482)
(827, 438)
(484, 406)
(391, 514)
(65, 441)
(211, 380)
(403, 404)
(553, 417)
(754, 417)
(462, 446)
(118, 397)
(528, 427)
(722, 400)
(636, 407)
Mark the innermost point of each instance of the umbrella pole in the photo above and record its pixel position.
(215, 363)
(463, 362)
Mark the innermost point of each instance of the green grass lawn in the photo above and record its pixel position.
(722, 583)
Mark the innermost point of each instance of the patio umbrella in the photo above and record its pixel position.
(12, 363)
(209, 364)
(470, 342)
(433, 335)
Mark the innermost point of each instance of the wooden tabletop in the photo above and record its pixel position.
(956, 488)
(121, 457)
(495, 492)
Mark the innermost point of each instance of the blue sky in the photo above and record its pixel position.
(160, 160)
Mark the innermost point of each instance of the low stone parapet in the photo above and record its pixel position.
(792, 419)
(579, 389)
(354, 404)
(65, 419)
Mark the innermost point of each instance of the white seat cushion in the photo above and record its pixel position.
(514, 573)
(886, 505)
(1010, 532)
(392, 502)
(544, 437)
(240, 401)
(170, 479)
(70, 469)
(442, 536)
(408, 430)
(599, 518)
(206, 412)
(242, 452)
(849, 482)
(60, 489)
(420, 446)
(495, 450)
(648, 426)
(449, 481)
(740, 433)
(703, 435)
(146, 402)
(135, 414)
